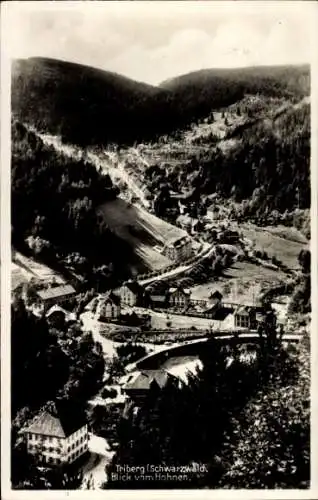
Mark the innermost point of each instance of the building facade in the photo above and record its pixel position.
(130, 293)
(179, 249)
(179, 298)
(55, 296)
(245, 317)
(55, 439)
(108, 307)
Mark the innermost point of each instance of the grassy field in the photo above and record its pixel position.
(284, 243)
(241, 283)
(142, 230)
(162, 321)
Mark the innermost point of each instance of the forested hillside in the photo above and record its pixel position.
(214, 88)
(265, 164)
(88, 106)
(54, 202)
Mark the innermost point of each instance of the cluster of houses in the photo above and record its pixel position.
(59, 436)
(111, 305)
(208, 226)
(114, 304)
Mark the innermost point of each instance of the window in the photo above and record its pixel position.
(50, 460)
(68, 449)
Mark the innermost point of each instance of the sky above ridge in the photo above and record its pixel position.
(153, 41)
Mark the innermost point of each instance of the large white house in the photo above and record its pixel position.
(130, 293)
(179, 298)
(108, 306)
(178, 248)
(57, 436)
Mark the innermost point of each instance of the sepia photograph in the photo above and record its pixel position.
(159, 231)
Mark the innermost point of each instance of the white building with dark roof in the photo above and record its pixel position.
(108, 306)
(178, 248)
(57, 436)
(130, 293)
(179, 298)
(245, 317)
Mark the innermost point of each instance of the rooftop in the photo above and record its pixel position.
(185, 291)
(133, 286)
(57, 308)
(178, 240)
(55, 292)
(61, 420)
(110, 296)
(145, 378)
(244, 310)
(158, 298)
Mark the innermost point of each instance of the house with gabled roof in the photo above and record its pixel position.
(179, 297)
(130, 293)
(108, 306)
(245, 317)
(58, 435)
(55, 295)
(141, 383)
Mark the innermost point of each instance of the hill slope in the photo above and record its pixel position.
(83, 104)
(214, 88)
(143, 232)
(87, 106)
(54, 200)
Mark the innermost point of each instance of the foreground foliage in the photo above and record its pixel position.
(246, 419)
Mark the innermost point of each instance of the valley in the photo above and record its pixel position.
(160, 255)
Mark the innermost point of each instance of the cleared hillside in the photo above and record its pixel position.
(144, 232)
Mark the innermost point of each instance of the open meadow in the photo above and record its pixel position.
(282, 242)
(240, 283)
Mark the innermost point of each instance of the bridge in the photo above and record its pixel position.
(198, 346)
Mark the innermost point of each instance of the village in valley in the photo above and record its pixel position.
(161, 320)
(160, 253)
